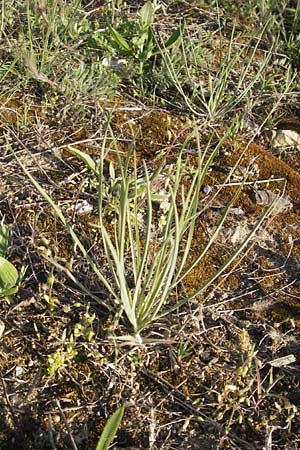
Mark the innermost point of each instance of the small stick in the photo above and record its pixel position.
(241, 183)
(74, 446)
(50, 432)
(19, 433)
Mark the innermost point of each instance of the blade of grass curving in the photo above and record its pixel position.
(227, 263)
(145, 253)
(8, 69)
(155, 284)
(244, 72)
(87, 159)
(156, 276)
(122, 216)
(241, 247)
(81, 286)
(147, 312)
(213, 237)
(172, 73)
(191, 213)
(125, 295)
(123, 206)
(189, 207)
(100, 171)
(133, 226)
(47, 37)
(66, 224)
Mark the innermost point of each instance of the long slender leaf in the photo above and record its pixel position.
(174, 36)
(118, 41)
(87, 159)
(67, 225)
(110, 429)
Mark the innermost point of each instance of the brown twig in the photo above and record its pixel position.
(62, 415)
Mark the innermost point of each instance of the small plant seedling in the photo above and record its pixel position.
(142, 46)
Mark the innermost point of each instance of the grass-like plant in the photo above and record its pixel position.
(50, 45)
(219, 88)
(147, 267)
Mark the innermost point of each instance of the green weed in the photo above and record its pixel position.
(142, 45)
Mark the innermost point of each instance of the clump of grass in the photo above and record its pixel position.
(221, 70)
(146, 267)
(223, 85)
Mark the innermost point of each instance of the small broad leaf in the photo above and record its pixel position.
(110, 429)
(84, 158)
(119, 42)
(8, 274)
(147, 14)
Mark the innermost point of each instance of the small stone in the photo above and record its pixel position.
(265, 197)
(55, 418)
(285, 138)
(206, 189)
(237, 211)
(83, 207)
(19, 371)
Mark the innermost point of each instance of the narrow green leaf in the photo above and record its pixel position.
(110, 429)
(125, 295)
(160, 50)
(119, 41)
(8, 292)
(85, 158)
(174, 36)
(8, 274)
(147, 48)
(68, 227)
(4, 232)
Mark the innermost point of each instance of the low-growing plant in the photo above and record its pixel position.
(51, 46)
(142, 46)
(216, 89)
(147, 266)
